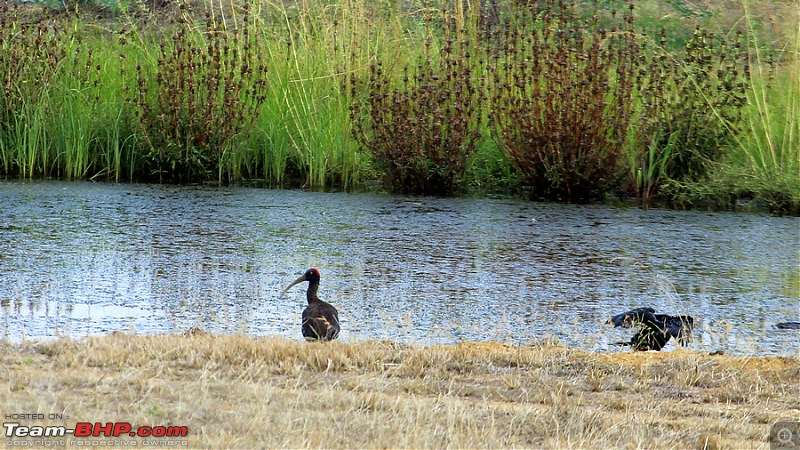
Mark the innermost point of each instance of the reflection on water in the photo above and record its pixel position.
(80, 259)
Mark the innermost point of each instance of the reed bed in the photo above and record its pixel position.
(244, 392)
(769, 147)
(425, 97)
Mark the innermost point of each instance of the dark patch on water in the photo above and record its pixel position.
(80, 259)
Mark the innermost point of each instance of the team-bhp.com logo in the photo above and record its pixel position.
(157, 435)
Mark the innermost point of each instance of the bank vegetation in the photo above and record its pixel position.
(682, 102)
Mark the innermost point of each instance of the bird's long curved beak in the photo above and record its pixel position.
(299, 280)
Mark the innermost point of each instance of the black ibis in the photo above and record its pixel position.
(654, 329)
(320, 319)
(788, 326)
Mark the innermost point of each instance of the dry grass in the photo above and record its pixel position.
(238, 392)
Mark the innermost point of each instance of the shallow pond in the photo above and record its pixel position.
(82, 259)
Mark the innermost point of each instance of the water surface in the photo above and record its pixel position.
(81, 259)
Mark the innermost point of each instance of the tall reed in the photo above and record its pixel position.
(202, 97)
(74, 103)
(769, 154)
(310, 51)
(704, 112)
(32, 49)
(648, 166)
(114, 145)
(311, 98)
(24, 143)
(761, 156)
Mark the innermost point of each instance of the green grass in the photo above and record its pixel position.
(304, 126)
(771, 151)
(765, 162)
(73, 130)
(25, 147)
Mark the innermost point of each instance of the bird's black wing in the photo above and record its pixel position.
(333, 318)
(652, 333)
(680, 327)
(630, 318)
(320, 322)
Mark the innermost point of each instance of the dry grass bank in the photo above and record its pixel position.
(237, 392)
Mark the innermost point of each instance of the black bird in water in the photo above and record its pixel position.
(320, 319)
(654, 329)
(788, 326)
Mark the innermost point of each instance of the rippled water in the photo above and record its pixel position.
(82, 259)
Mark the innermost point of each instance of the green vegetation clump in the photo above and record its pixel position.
(201, 98)
(562, 98)
(764, 161)
(567, 101)
(49, 85)
(423, 132)
(704, 113)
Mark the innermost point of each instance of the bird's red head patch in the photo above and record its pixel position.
(314, 272)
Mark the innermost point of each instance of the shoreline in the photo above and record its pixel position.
(741, 205)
